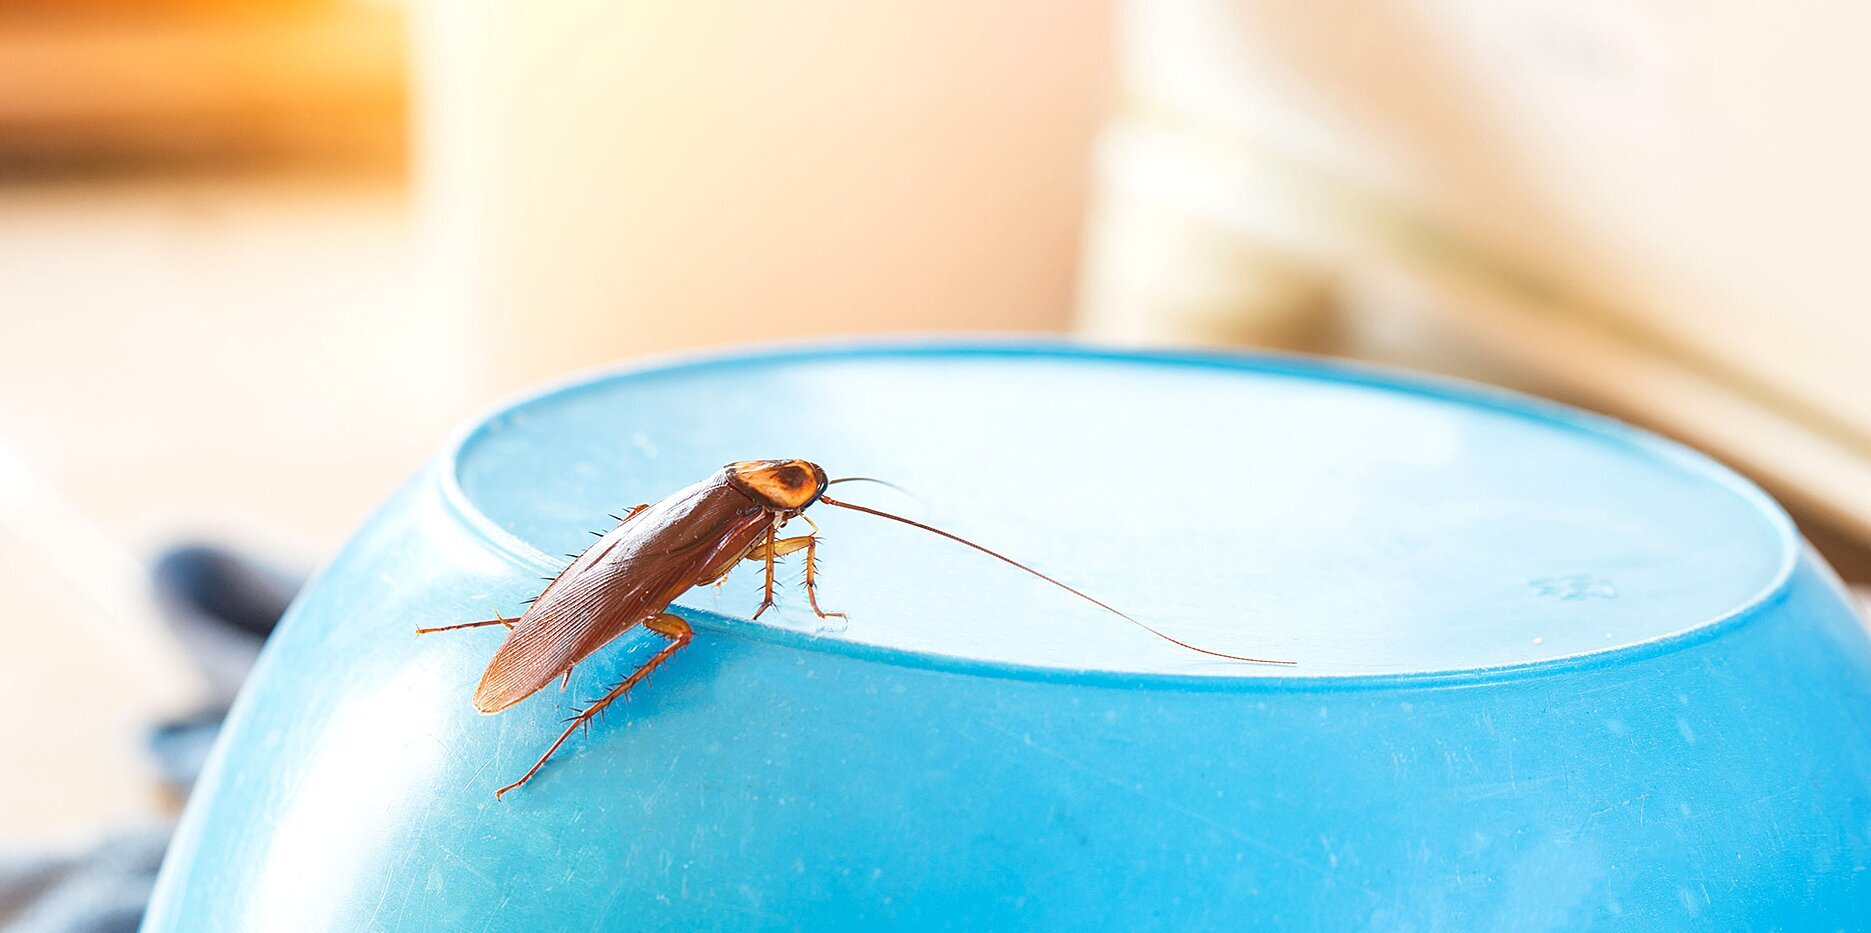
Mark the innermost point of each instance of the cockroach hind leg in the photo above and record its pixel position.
(449, 628)
(668, 625)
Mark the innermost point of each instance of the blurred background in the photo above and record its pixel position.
(260, 258)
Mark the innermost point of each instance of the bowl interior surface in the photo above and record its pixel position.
(1356, 523)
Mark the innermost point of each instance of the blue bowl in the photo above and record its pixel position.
(1552, 672)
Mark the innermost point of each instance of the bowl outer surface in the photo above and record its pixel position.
(1553, 672)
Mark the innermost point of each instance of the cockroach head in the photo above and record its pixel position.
(782, 485)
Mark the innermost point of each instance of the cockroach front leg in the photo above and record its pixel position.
(758, 554)
(812, 584)
(812, 573)
(667, 625)
(781, 548)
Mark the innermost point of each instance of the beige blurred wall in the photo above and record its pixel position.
(1655, 208)
(603, 180)
(199, 340)
(1697, 171)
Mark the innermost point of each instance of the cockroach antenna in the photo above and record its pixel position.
(648, 561)
(1073, 590)
(869, 479)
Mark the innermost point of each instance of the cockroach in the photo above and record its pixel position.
(658, 551)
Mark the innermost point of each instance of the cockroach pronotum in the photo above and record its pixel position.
(631, 574)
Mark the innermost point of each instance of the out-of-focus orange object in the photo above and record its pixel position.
(119, 84)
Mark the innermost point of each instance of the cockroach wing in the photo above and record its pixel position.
(632, 573)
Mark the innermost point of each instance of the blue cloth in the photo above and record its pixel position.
(103, 890)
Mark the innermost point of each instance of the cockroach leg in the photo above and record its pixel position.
(766, 599)
(812, 583)
(449, 628)
(781, 548)
(758, 552)
(812, 573)
(667, 625)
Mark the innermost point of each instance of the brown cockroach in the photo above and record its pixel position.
(631, 574)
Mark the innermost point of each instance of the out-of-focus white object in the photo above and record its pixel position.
(1660, 206)
(90, 569)
(608, 179)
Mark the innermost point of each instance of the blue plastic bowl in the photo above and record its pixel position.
(1553, 672)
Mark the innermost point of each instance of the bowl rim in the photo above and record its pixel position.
(444, 474)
